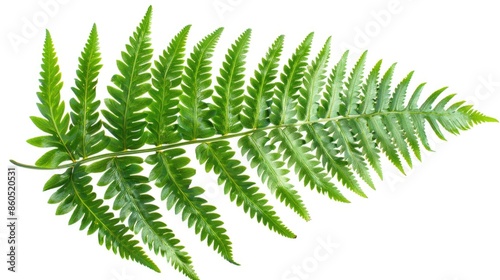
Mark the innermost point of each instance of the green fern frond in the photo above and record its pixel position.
(347, 140)
(260, 91)
(306, 166)
(195, 115)
(86, 134)
(330, 104)
(314, 78)
(270, 168)
(125, 116)
(55, 121)
(361, 128)
(218, 156)
(129, 190)
(172, 175)
(350, 97)
(329, 153)
(283, 109)
(167, 77)
(327, 127)
(229, 91)
(74, 194)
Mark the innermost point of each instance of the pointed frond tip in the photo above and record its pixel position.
(476, 117)
(331, 126)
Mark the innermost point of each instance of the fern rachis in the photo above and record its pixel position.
(329, 127)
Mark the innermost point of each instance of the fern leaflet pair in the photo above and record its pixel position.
(328, 127)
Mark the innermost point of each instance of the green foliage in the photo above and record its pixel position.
(260, 91)
(55, 121)
(167, 77)
(74, 194)
(172, 175)
(328, 128)
(283, 108)
(126, 119)
(218, 156)
(195, 115)
(229, 91)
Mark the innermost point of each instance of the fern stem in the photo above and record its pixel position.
(224, 137)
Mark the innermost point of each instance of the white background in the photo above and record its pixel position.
(441, 222)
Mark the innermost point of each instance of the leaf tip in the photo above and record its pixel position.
(309, 38)
(155, 268)
(47, 35)
(489, 119)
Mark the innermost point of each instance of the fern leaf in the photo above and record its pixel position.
(125, 116)
(74, 194)
(172, 175)
(395, 130)
(351, 96)
(364, 136)
(418, 123)
(351, 148)
(384, 140)
(283, 109)
(270, 170)
(260, 91)
(396, 104)
(362, 130)
(369, 90)
(194, 117)
(330, 104)
(313, 84)
(167, 77)
(218, 156)
(427, 106)
(305, 165)
(383, 92)
(382, 136)
(326, 150)
(87, 136)
(330, 131)
(55, 121)
(410, 129)
(229, 91)
(409, 133)
(464, 118)
(398, 98)
(129, 191)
